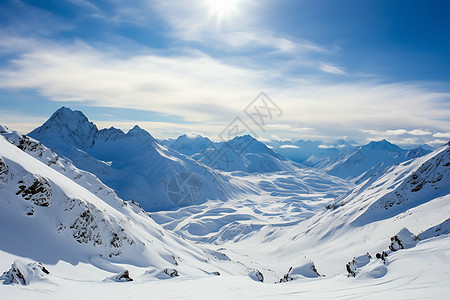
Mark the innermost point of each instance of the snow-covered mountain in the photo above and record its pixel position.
(371, 158)
(282, 222)
(64, 166)
(188, 144)
(134, 164)
(47, 217)
(403, 187)
(244, 153)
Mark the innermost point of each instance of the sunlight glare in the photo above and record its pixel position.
(223, 8)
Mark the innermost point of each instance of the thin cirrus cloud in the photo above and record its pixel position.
(332, 69)
(193, 20)
(419, 132)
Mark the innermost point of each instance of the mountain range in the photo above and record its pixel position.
(104, 210)
(134, 164)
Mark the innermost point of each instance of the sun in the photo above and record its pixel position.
(223, 9)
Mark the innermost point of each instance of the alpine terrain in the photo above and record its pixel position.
(122, 215)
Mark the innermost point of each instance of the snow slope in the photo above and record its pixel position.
(134, 164)
(417, 273)
(47, 217)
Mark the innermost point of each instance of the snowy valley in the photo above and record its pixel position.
(87, 212)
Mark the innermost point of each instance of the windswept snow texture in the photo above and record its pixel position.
(286, 198)
(133, 164)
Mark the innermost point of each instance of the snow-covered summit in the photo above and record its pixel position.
(138, 132)
(190, 144)
(248, 144)
(381, 145)
(67, 127)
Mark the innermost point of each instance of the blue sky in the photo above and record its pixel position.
(355, 69)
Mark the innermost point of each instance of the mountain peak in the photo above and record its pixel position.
(67, 126)
(248, 144)
(246, 137)
(66, 115)
(382, 145)
(190, 144)
(139, 132)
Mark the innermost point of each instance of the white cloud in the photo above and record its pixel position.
(371, 131)
(289, 147)
(406, 141)
(325, 147)
(396, 132)
(442, 135)
(330, 68)
(211, 93)
(416, 132)
(183, 86)
(437, 142)
(420, 132)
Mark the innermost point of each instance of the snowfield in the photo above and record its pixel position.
(417, 273)
(267, 227)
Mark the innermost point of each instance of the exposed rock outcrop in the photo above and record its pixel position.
(23, 273)
(35, 189)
